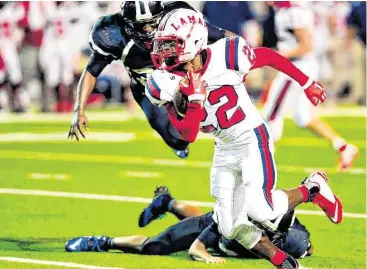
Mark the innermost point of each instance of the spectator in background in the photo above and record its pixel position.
(356, 28)
(10, 37)
(33, 24)
(235, 16)
(356, 21)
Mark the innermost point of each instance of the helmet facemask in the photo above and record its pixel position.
(169, 52)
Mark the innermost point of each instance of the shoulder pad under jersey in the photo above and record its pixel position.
(107, 37)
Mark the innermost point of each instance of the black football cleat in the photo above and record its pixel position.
(157, 207)
(289, 263)
(87, 243)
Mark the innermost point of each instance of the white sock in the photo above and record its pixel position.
(338, 143)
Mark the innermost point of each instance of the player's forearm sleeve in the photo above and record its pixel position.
(210, 236)
(97, 63)
(189, 126)
(269, 57)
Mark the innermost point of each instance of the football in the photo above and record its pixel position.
(180, 102)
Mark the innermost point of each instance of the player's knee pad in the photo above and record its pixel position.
(248, 235)
(262, 211)
(155, 248)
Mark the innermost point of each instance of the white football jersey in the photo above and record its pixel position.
(229, 111)
(10, 15)
(289, 19)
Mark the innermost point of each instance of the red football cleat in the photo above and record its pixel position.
(324, 196)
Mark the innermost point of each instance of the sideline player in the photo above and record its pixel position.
(127, 35)
(10, 35)
(243, 175)
(294, 24)
(286, 232)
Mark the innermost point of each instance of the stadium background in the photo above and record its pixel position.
(53, 189)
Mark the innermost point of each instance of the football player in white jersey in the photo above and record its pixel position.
(295, 28)
(10, 36)
(243, 176)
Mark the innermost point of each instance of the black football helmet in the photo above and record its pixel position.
(141, 20)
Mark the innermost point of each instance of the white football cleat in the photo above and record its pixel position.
(322, 195)
(347, 156)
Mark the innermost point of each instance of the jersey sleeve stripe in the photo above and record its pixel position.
(237, 39)
(153, 88)
(231, 52)
(227, 53)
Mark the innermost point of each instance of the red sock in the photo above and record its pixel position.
(342, 148)
(278, 258)
(305, 193)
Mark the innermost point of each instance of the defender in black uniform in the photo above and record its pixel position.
(287, 233)
(127, 36)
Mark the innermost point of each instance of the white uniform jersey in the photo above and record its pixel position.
(229, 112)
(322, 11)
(289, 19)
(10, 15)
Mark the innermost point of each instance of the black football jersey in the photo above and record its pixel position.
(109, 42)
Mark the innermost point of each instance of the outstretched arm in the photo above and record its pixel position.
(86, 85)
(267, 57)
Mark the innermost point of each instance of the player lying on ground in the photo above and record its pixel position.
(127, 36)
(209, 80)
(287, 233)
(296, 43)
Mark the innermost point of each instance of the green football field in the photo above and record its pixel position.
(52, 189)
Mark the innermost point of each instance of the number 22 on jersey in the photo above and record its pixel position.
(221, 114)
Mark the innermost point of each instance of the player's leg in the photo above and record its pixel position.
(276, 104)
(51, 65)
(304, 118)
(266, 203)
(230, 209)
(178, 237)
(19, 95)
(164, 202)
(159, 121)
(4, 100)
(67, 78)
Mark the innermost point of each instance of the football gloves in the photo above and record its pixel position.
(315, 92)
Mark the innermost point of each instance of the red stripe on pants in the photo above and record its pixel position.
(279, 100)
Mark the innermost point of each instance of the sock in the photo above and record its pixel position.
(110, 243)
(305, 193)
(339, 144)
(171, 204)
(278, 258)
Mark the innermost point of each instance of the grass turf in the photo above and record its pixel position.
(37, 227)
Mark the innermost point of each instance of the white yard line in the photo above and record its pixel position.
(62, 136)
(131, 160)
(143, 200)
(66, 264)
(119, 116)
(55, 263)
(113, 137)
